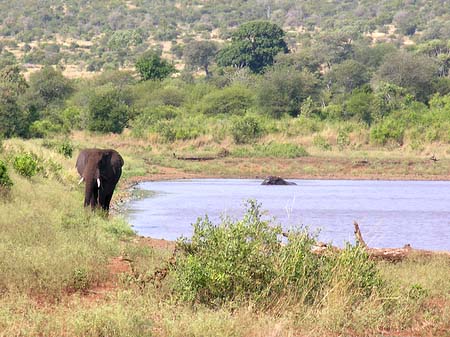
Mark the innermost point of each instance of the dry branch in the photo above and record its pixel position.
(387, 254)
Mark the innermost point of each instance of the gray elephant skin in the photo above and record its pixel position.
(274, 180)
(100, 170)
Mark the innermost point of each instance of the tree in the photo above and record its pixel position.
(108, 109)
(151, 66)
(200, 54)
(283, 90)
(13, 119)
(412, 72)
(253, 45)
(48, 85)
(348, 75)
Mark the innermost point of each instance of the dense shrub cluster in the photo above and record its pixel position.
(26, 164)
(246, 260)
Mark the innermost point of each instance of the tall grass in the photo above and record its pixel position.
(48, 243)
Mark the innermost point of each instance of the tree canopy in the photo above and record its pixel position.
(151, 66)
(255, 45)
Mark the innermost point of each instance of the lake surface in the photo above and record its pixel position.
(390, 213)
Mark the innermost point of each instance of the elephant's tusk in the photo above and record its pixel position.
(81, 180)
(98, 182)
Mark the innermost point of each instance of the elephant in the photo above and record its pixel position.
(100, 170)
(272, 180)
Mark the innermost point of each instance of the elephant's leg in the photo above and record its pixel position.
(94, 199)
(107, 201)
(102, 199)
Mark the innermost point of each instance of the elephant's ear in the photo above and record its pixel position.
(81, 161)
(120, 159)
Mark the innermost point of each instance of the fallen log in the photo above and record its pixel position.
(386, 254)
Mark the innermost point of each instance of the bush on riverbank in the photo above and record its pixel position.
(246, 261)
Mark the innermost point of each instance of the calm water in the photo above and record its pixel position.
(390, 213)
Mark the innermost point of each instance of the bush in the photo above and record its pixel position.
(151, 66)
(230, 100)
(389, 130)
(246, 129)
(150, 118)
(245, 260)
(65, 148)
(26, 164)
(44, 128)
(5, 180)
(109, 110)
(166, 130)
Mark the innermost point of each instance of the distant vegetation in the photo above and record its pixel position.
(379, 71)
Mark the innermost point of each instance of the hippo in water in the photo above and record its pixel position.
(273, 180)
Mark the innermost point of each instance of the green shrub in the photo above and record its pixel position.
(277, 150)
(44, 128)
(246, 129)
(109, 109)
(150, 117)
(389, 130)
(166, 130)
(229, 261)
(151, 66)
(65, 148)
(26, 164)
(5, 180)
(246, 260)
(230, 100)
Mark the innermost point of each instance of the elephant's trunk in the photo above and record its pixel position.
(91, 188)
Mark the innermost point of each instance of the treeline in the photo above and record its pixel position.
(252, 86)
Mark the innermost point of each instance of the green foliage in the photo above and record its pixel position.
(151, 66)
(108, 109)
(255, 45)
(227, 262)
(122, 39)
(47, 86)
(246, 129)
(235, 99)
(5, 180)
(359, 106)
(272, 149)
(200, 54)
(389, 130)
(44, 128)
(13, 120)
(245, 260)
(283, 89)
(26, 164)
(348, 76)
(415, 73)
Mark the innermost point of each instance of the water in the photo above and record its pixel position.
(390, 213)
